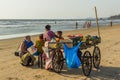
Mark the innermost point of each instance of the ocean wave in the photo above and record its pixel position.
(16, 26)
(19, 28)
(2, 37)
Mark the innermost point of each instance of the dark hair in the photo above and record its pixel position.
(47, 27)
(27, 36)
(59, 32)
(41, 36)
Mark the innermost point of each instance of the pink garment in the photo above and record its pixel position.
(48, 61)
(48, 35)
(47, 56)
(48, 64)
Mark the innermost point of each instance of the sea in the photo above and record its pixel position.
(13, 28)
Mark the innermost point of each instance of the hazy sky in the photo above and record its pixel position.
(54, 9)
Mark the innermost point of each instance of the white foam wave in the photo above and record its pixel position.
(2, 37)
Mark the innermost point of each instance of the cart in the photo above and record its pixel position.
(86, 58)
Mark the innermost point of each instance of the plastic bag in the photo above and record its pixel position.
(71, 57)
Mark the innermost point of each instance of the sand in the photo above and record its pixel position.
(11, 69)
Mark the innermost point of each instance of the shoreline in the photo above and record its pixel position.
(12, 36)
(33, 34)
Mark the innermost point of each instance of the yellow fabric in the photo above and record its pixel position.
(58, 39)
(84, 39)
(24, 58)
(39, 44)
(56, 45)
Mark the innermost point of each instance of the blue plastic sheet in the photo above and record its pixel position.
(71, 57)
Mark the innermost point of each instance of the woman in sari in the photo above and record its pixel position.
(48, 36)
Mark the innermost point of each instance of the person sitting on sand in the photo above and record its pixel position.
(27, 43)
(48, 35)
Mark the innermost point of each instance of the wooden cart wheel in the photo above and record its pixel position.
(96, 57)
(86, 63)
(57, 61)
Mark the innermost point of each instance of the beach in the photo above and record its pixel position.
(11, 69)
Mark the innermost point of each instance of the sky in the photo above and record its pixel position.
(57, 9)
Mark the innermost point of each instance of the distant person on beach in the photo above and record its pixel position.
(111, 23)
(88, 24)
(76, 25)
(48, 35)
(84, 25)
(25, 45)
(55, 22)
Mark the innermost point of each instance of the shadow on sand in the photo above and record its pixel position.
(104, 73)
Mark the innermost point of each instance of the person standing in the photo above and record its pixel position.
(84, 25)
(49, 34)
(76, 24)
(111, 23)
(39, 44)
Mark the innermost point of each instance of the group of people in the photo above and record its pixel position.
(44, 38)
(87, 24)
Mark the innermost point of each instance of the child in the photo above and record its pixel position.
(39, 44)
(59, 36)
